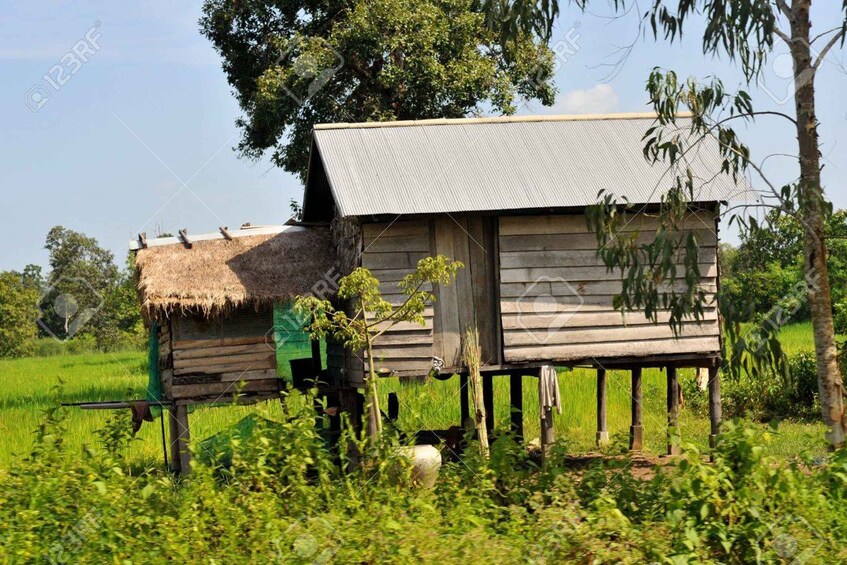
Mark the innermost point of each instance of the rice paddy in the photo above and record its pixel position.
(29, 388)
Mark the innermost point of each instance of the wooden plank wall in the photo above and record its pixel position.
(556, 295)
(392, 251)
(471, 300)
(210, 357)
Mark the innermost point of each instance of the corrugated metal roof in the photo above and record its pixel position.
(436, 166)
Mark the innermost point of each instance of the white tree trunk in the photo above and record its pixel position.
(830, 383)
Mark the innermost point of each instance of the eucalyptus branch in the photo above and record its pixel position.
(784, 8)
(818, 36)
(782, 35)
(829, 45)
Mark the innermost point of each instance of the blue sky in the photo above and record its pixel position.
(140, 137)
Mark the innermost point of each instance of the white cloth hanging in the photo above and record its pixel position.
(548, 390)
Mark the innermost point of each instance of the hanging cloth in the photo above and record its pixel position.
(548, 390)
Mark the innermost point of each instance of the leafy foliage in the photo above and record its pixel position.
(371, 315)
(18, 311)
(296, 64)
(284, 499)
(87, 295)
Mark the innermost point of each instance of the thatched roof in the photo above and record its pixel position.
(216, 276)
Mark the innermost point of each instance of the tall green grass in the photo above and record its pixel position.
(26, 390)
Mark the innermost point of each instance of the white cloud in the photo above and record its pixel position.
(599, 99)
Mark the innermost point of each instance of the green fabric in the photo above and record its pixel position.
(154, 378)
(217, 449)
(291, 340)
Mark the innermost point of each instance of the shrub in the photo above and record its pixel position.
(839, 317)
(283, 498)
(774, 396)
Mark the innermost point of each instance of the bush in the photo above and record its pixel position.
(775, 396)
(839, 318)
(283, 499)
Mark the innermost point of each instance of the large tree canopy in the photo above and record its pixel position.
(297, 63)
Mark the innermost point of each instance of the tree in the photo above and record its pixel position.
(744, 31)
(83, 275)
(32, 277)
(295, 64)
(18, 312)
(371, 315)
(769, 263)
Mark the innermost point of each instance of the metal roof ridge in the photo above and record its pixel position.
(496, 120)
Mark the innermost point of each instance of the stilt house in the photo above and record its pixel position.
(507, 197)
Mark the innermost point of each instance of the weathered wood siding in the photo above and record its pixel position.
(392, 250)
(556, 295)
(208, 358)
(471, 300)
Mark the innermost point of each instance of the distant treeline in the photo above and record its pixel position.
(766, 270)
(86, 299)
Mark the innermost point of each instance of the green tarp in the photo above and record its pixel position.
(292, 340)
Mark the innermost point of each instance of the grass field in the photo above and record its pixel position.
(28, 390)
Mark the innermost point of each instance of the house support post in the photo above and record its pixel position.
(547, 437)
(463, 399)
(636, 431)
(715, 410)
(179, 437)
(602, 424)
(316, 357)
(488, 402)
(516, 404)
(673, 410)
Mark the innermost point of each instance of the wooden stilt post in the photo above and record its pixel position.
(516, 404)
(673, 411)
(636, 431)
(316, 356)
(602, 424)
(715, 410)
(463, 399)
(547, 436)
(173, 434)
(179, 437)
(488, 402)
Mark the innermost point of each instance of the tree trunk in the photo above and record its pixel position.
(830, 383)
(372, 398)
